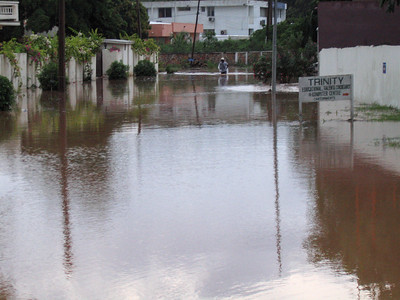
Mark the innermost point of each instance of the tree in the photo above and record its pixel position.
(110, 17)
(390, 4)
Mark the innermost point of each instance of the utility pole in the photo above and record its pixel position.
(61, 45)
(138, 18)
(274, 33)
(195, 32)
(269, 19)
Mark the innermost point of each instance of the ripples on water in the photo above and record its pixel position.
(185, 188)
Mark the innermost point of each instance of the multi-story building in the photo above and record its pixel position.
(226, 18)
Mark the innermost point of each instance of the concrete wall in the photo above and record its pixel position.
(74, 70)
(121, 50)
(366, 63)
(29, 71)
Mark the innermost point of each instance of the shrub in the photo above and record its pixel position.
(262, 68)
(171, 69)
(7, 93)
(118, 70)
(291, 63)
(145, 68)
(48, 77)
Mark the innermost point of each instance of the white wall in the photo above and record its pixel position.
(29, 71)
(371, 85)
(124, 54)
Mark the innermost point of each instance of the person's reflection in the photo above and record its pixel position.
(223, 80)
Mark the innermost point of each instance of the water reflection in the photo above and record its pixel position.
(183, 187)
(355, 214)
(276, 177)
(68, 255)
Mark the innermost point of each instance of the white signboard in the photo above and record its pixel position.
(325, 88)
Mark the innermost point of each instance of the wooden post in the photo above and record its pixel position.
(195, 32)
(138, 18)
(274, 50)
(61, 45)
(269, 19)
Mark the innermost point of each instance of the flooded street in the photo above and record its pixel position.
(194, 186)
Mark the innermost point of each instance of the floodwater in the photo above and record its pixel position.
(194, 186)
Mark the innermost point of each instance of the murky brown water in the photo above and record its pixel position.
(186, 188)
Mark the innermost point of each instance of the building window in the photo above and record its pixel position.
(210, 11)
(251, 30)
(263, 12)
(183, 8)
(203, 9)
(165, 12)
(210, 31)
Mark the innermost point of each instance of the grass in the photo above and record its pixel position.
(378, 112)
(388, 142)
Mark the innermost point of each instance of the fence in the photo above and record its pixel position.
(113, 50)
(29, 71)
(233, 58)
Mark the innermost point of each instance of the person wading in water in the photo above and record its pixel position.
(223, 66)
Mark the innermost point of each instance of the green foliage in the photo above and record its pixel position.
(145, 68)
(390, 4)
(388, 142)
(180, 43)
(291, 63)
(117, 70)
(212, 65)
(141, 47)
(110, 17)
(171, 69)
(41, 49)
(48, 77)
(39, 21)
(209, 42)
(83, 47)
(262, 69)
(297, 54)
(7, 94)
(378, 112)
(9, 49)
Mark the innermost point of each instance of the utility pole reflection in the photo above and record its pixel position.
(195, 103)
(140, 112)
(68, 256)
(276, 176)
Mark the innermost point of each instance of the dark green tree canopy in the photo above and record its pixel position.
(110, 17)
(390, 4)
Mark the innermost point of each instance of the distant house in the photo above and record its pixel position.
(227, 19)
(9, 15)
(163, 32)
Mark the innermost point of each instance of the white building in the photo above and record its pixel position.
(226, 18)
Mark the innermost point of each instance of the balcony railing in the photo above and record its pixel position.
(9, 13)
